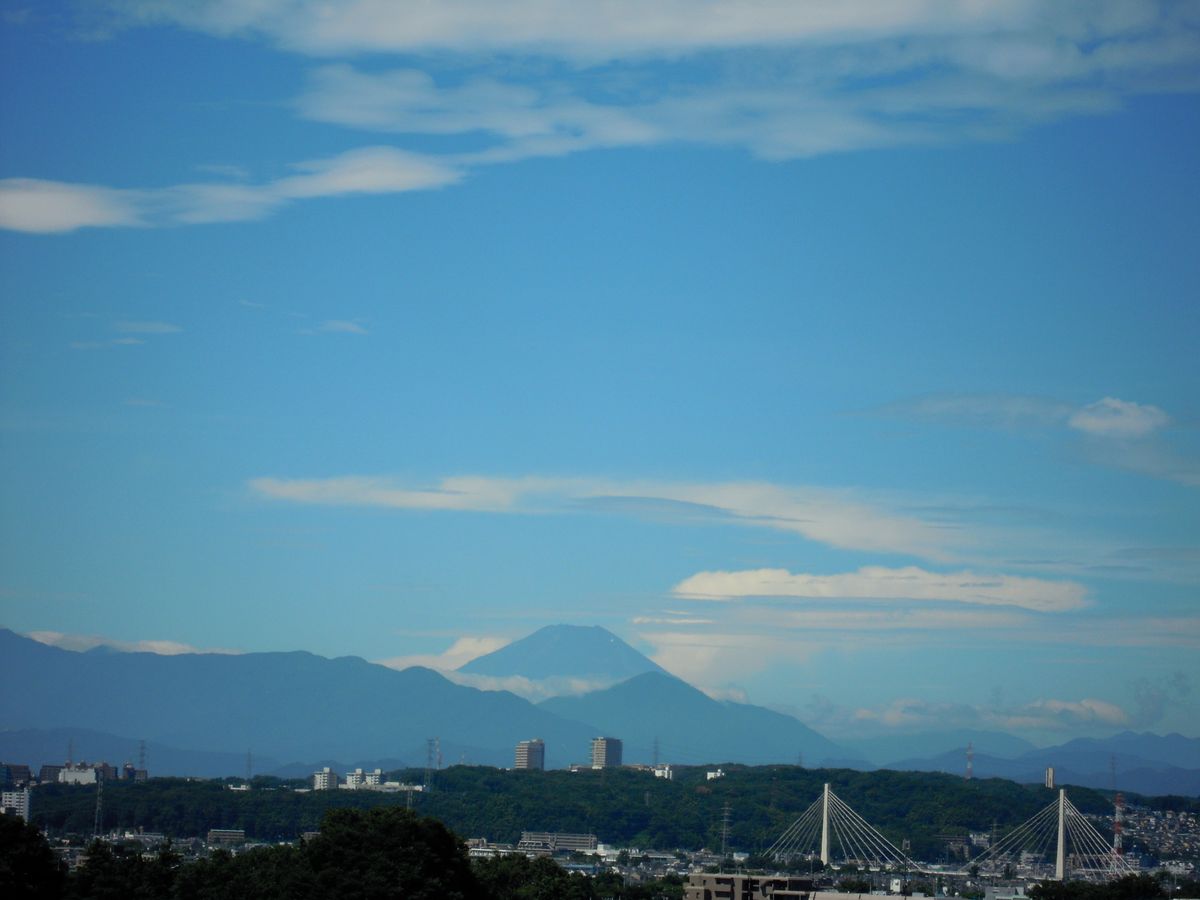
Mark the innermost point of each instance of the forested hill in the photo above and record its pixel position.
(621, 806)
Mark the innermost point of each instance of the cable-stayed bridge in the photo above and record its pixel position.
(1058, 842)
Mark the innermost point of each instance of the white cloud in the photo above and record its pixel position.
(822, 76)
(882, 583)
(1064, 714)
(621, 27)
(45, 207)
(82, 642)
(836, 518)
(1116, 418)
(532, 689)
(700, 656)
(462, 651)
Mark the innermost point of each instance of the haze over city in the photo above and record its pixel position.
(841, 358)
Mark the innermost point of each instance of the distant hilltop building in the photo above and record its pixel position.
(531, 755)
(15, 774)
(360, 779)
(90, 773)
(606, 752)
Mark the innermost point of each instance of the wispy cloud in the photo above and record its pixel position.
(837, 518)
(46, 207)
(1111, 431)
(132, 327)
(341, 326)
(909, 714)
(670, 27)
(881, 583)
(979, 410)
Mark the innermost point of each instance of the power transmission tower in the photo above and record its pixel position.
(724, 831)
(99, 804)
(656, 750)
(433, 759)
(249, 766)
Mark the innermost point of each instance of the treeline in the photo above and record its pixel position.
(621, 806)
(1131, 887)
(374, 854)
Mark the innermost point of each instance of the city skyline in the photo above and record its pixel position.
(839, 357)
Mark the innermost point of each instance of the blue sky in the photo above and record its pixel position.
(840, 356)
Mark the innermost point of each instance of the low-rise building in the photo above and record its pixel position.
(548, 842)
(742, 886)
(226, 836)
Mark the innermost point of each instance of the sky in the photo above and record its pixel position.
(840, 356)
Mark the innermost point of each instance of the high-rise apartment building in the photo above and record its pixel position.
(531, 755)
(15, 803)
(325, 780)
(606, 752)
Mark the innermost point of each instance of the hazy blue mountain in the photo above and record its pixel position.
(690, 726)
(290, 706)
(884, 749)
(1129, 748)
(37, 746)
(1085, 762)
(565, 651)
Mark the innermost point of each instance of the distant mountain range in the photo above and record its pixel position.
(201, 713)
(1145, 763)
(885, 749)
(290, 706)
(655, 711)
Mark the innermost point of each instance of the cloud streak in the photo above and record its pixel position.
(44, 207)
(836, 518)
(882, 583)
(1112, 432)
(595, 31)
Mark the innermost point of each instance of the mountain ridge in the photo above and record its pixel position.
(584, 652)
